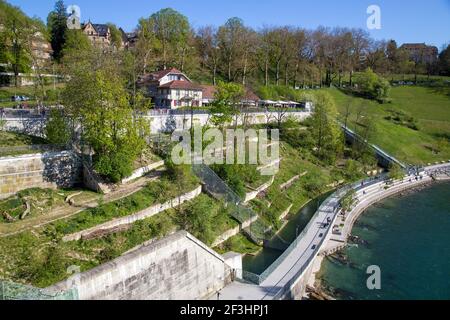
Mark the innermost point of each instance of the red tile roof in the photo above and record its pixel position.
(209, 92)
(177, 84)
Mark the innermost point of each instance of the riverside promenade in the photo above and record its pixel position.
(288, 277)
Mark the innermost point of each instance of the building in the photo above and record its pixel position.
(130, 38)
(99, 34)
(420, 52)
(172, 89)
(250, 98)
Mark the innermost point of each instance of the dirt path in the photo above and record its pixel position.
(66, 211)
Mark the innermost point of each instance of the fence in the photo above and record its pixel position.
(14, 291)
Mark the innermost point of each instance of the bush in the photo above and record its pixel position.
(373, 86)
(57, 129)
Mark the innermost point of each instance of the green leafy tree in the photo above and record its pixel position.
(396, 172)
(325, 130)
(116, 35)
(99, 101)
(349, 200)
(373, 86)
(172, 31)
(15, 35)
(57, 129)
(57, 25)
(226, 103)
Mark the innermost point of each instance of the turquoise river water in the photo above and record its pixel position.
(408, 237)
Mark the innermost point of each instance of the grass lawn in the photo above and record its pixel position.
(14, 144)
(40, 258)
(429, 106)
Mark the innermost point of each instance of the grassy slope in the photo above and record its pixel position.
(430, 106)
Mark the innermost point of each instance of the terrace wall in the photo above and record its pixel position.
(178, 267)
(46, 170)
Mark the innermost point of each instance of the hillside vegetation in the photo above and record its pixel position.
(414, 127)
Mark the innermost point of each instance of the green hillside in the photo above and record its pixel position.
(415, 127)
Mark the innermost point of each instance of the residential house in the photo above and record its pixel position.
(99, 34)
(172, 89)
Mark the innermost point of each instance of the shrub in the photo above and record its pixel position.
(373, 86)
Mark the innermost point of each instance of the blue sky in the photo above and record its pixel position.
(403, 20)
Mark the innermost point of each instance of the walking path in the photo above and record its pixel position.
(9, 229)
(318, 236)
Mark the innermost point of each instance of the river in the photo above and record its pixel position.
(408, 237)
(274, 249)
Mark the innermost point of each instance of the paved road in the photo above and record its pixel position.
(303, 251)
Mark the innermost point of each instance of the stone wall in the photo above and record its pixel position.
(158, 123)
(178, 267)
(253, 194)
(47, 170)
(118, 224)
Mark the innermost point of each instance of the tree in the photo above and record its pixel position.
(96, 98)
(230, 40)
(57, 25)
(325, 130)
(16, 35)
(226, 103)
(396, 172)
(172, 32)
(116, 35)
(209, 49)
(57, 129)
(444, 61)
(373, 86)
(349, 200)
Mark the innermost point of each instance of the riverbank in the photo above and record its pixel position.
(366, 198)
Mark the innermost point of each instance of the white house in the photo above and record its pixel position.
(172, 89)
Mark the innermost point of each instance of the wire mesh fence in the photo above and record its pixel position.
(14, 291)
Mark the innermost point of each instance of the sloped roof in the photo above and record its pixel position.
(158, 75)
(209, 93)
(177, 84)
(102, 29)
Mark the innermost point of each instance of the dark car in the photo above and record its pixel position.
(313, 247)
(321, 235)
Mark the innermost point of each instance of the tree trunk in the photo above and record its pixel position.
(278, 73)
(266, 75)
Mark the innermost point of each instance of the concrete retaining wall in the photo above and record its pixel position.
(252, 195)
(178, 267)
(158, 123)
(47, 170)
(143, 171)
(225, 236)
(112, 226)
